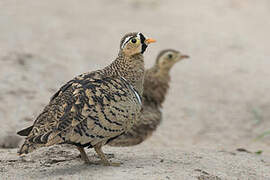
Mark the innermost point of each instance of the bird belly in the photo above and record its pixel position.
(104, 125)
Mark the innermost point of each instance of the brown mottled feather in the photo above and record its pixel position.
(156, 85)
(92, 108)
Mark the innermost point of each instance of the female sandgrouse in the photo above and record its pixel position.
(94, 107)
(156, 85)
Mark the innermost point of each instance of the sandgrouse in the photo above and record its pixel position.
(156, 85)
(95, 107)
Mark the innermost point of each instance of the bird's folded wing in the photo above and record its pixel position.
(87, 97)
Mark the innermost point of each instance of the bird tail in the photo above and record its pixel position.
(25, 132)
(28, 147)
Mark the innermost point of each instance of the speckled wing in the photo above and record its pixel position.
(89, 109)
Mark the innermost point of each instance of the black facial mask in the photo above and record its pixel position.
(144, 46)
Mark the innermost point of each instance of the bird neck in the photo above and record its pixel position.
(156, 85)
(129, 67)
(162, 70)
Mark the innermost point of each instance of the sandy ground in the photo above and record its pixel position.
(218, 101)
(138, 163)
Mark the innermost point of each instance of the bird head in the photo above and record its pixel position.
(167, 58)
(134, 43)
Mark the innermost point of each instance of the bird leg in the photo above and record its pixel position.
(83, 155)
(103, 158)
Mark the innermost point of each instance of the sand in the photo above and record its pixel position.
(138, 163)
(218, 100)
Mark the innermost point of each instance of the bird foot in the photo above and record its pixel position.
(108, 156)
(115, 164)
(103, 158)
(107, 163)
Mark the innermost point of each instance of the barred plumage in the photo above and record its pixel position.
(94, 107)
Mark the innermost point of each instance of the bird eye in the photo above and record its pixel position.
(134, 40)
(170, 56)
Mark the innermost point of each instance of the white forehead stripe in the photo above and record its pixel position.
(139, 33)
(125, 41)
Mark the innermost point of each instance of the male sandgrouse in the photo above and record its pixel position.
(156, 85)
(94, 107)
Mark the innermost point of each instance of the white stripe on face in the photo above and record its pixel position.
(125, 41)
(138, 35)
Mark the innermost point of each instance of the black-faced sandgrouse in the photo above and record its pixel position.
(156, 85)
(94, 107)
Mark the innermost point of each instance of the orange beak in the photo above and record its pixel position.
(185, 56)
(149, 40)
